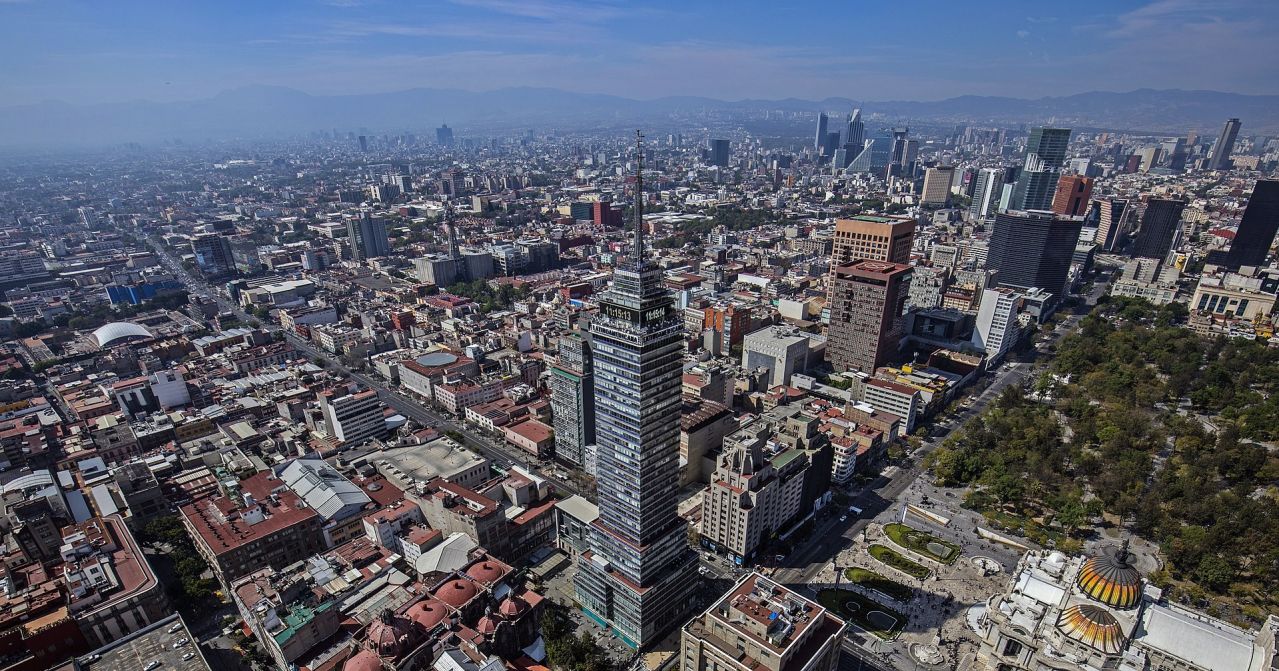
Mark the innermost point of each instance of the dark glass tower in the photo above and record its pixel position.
(1257, 229)
(1037, 181)
(819, 142)
(1220, 157)
(1159, 225)
(639, 573)
(1034, 249)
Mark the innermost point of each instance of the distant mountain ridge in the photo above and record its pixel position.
(259, 111)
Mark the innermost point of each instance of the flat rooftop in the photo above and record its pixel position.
(154, 643)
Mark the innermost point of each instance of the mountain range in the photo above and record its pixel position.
(261, 111)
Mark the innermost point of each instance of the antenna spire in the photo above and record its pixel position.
(639, 199)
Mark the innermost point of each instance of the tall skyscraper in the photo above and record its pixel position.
(444, 136)
(1220, 157)
(1034, 249)
(1037, 181)
(937, 181)
(1257, 228)
(898, 152)
(1159, 227)
(364, 143)
(990, 185)
(1073, 192)
(639, 574)
(213, 255)
(719, 152)
(819, 141)
(855, 133)
(1112, 223)
(573, 400)
(867, 301)
(367, 237)
(870, 237)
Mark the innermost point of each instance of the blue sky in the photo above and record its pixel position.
(112, 50)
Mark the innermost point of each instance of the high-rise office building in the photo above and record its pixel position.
(444, 136)
(819, 141)
(1113, 215)
(1073, 194)
(573, 400)
(364, 143)
(990, 185)
(367, 237)
(719, 152)
(1037, 180)
(867, 301)
(213, 255)
(937, 181)
(1034, 249)
(864, 236)
(639, 574)
(1159, 227)
(897, 153)
(855, 133)
(1257, 228)
(1220, 157)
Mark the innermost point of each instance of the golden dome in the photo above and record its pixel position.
(1110, 579)
(1093, 626)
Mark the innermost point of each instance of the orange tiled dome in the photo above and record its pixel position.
(1110, 579)
(1094, 626)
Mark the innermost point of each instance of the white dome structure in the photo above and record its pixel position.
(108, 334)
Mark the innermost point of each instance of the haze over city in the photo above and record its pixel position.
(554, 335)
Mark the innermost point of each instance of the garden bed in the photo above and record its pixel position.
(922, 543)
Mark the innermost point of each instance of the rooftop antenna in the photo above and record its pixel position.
(639, 199)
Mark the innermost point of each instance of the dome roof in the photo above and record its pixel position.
(512, 607)
(487, 571)
(109, 333)
(1110, 579)
(1093, 626)
(364, 660)
(387, 635)
(456, 593)
(487, 625)
(427, 613)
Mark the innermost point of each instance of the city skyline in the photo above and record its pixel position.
(359, 47)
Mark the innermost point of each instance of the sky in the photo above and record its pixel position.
(92, 51)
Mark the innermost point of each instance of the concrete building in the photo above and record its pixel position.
(261, 525)
(352, 417)
(1073, 195)
(870, 237)
(937, 181)
(573, 400)
(783, 350)
(213, 255)
(760, 625)
(868, 300)
(896, 398)
(1241, 296)
(750, 498)
(573, 518)
(996, 329)
(112, 591)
